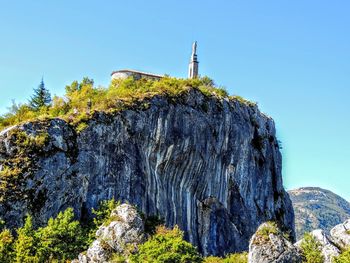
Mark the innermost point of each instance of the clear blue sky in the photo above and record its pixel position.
(292, 57)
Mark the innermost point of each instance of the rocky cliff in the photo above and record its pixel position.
(210, 165)
(317, 208)
(270, 245)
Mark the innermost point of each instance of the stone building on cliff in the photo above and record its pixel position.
(192, 70)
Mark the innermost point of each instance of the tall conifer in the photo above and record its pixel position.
(41, 97)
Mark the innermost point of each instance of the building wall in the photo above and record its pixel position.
(121, 75)
(124, 75)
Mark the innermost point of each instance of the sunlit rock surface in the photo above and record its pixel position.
(125, 231)
(341, 234)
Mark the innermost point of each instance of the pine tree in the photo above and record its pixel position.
(25, 245)
(61, 239)
(6, 246)
(41, 97)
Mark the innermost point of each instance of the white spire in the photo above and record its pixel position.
(193, 66)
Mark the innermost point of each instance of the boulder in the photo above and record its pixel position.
(269, 245)
(121, 235)
(341, 234)
(328, 249)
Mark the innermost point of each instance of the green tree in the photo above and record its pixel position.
(25, 245)
(76, 86)
(101, 216)
(231, 258)
(41, 97)
(6, 246)
(311, 249)
(104, 211)
(166, 246)
(61, 239)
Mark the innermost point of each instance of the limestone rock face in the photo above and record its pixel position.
(341, 234)
(271, 247)
(328, 247)
(126, 230)
(210, 165)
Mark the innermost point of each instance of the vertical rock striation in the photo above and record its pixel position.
(211, 166)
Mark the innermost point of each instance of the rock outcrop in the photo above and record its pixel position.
(341, 234)
(317, 208)
(268, 245)
(124, 232)
(210, 165)
(328, 248)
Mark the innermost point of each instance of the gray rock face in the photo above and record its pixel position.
(341, 234)
(126, 230)
(317, 208)
(271, 247)
(328, 247)
(211, 166)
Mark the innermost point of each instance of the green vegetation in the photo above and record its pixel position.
(244, 101)
(22, 162)
(166, 246)
(102, 216)
(232, 258)
(25, 244)
(6, 246)
(151, 224)
(311, 249)
(63, 238)
(82, 99)
(344, 257)
(264, 232)
(269, 228)
(59, 241)
(41, 98)
(117, 258)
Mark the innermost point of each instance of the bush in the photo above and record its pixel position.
(6, 246)
(26, 244)
(237, 258)
(102, 216)
(83, 98)
(232, 258)
(267, 229)
(166, 246)
(311, 249)
(117, 258)
(344, 257)
(61, 240)
(14, 167)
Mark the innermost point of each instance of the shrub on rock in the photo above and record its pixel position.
(270, 245)
(166, 246)
(317, 246)
(118, 236)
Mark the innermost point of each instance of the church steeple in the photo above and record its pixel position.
(193, 66)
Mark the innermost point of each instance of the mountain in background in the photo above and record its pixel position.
(315, 208)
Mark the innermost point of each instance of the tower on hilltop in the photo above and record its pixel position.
(193, 66)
